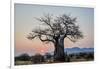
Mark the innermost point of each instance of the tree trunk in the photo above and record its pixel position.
(59, 55)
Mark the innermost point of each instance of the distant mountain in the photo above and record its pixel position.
(78, 50)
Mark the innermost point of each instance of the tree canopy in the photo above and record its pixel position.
(58, 26)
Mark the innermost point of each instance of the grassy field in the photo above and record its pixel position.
(23, 62)
(40, 59)
(30, 62)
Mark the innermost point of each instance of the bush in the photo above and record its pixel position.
(37, 58)
(23, 57)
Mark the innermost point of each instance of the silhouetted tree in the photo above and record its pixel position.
(23, 57)
(56, 30)
(48, 55)
(37, 58)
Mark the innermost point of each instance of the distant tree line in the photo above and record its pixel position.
(48, 58)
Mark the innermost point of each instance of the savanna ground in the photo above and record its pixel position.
(25, 59)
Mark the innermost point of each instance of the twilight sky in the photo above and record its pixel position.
(24, 23)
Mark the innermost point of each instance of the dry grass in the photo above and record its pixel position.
(23, 62)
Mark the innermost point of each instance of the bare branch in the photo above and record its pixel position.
(73, 40)
(31, 37)
(46, 40)
(46, 20)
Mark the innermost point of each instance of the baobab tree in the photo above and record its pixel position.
(56, 30)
